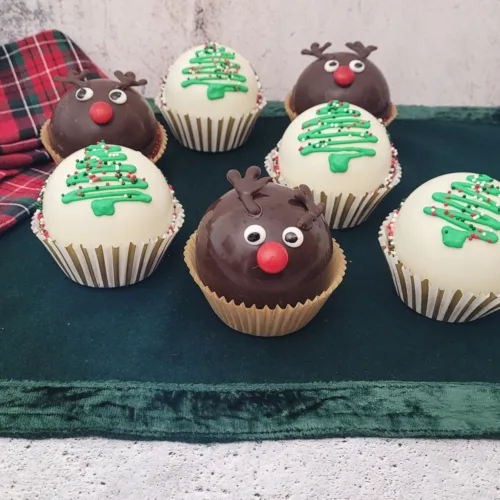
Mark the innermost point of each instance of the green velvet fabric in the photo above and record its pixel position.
(407, 112)
(153, 361)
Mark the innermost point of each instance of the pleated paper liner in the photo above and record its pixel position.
(421, 295)
(292, 114)
(160, 144)
(265, 322)
(344, 210)
(207, 134)
(108, 266)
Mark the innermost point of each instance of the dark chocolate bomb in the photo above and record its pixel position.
(105, 110)
(342, 76)
(264, 244)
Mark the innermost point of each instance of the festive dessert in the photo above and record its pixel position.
(343, 76)
(211, 98)
(103, 109)
(345, 156)
(264, 257)
(446, 226)
(107, 216)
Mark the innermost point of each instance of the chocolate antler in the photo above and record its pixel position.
(74, 78)
(360, 49)
(128, 80)
(314, 210)
(316, 50)
(248, 186)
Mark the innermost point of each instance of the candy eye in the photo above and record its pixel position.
(117, 96)
(331, 65)
(357, 66)
(255, 235)
(84, 94)
(293, 237)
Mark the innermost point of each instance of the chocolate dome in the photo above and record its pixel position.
(103, 109)
(264, 244)
(343, 76)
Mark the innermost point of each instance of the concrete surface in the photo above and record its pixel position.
(444, 52)
(354, 469)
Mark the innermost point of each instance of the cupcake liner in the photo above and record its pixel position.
(265, 322)
(207, 134)
(110, 266)
(160, 143)
(426, 298)
(344, 210)
(392, 115)
(292, 114)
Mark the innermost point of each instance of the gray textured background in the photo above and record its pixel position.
(434, 52)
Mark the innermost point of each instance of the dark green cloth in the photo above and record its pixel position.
(160, 336)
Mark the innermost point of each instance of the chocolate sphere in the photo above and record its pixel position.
(343, 76)
(266, 245)
(103, 109)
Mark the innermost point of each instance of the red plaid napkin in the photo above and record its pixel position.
(28, 94)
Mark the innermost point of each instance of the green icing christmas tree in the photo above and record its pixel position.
(463, 207)
(337, 129)
(213, 66)
(103, 178)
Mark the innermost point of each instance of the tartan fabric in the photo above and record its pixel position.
(28, 95)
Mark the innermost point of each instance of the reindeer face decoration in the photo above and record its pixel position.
(264, 244)
(102, 109)
(343, 76)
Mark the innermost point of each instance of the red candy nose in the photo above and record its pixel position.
(344, 76)
(101, 112)
(272, 257)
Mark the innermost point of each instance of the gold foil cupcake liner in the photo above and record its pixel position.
(265, 322)
(426, 298)
(214, 135)
(292, 114)
(344, 210)
(161, 135)
(110, 266)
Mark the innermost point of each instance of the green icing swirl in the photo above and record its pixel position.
(471, 197)
(213, 66)
(103, 164)
(336, 127)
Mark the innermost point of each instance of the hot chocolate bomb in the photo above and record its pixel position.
(263, 244)
(103, 109)
(343, 76)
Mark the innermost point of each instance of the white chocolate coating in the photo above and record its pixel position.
(363, 175)
(193, 99)
(133, 221)
(418, 243)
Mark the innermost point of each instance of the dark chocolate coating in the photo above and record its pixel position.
(133, 124)
(227, 264)
(315, 85)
